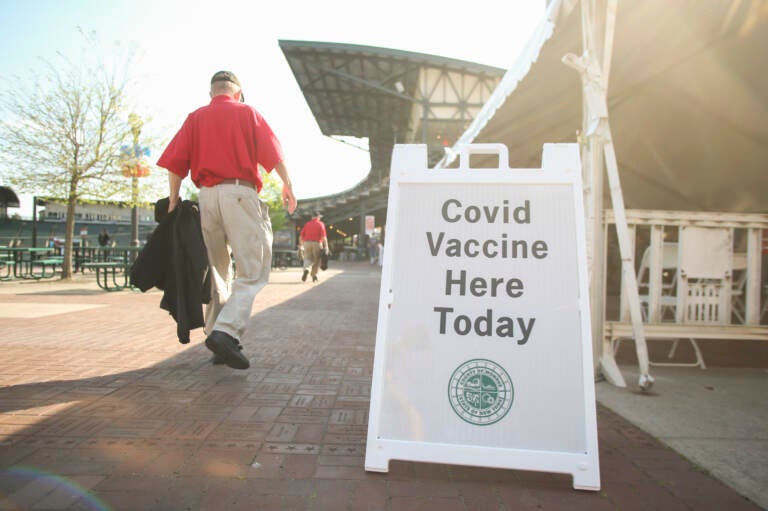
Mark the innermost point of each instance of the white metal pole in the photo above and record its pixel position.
(594, 68)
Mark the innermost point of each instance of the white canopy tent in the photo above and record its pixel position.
(683, 85)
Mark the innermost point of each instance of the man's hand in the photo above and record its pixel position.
(289, 200)
(174, 185)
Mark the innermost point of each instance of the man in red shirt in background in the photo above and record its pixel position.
(313, 239)
(222, 144)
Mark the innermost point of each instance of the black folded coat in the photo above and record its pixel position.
(175, 260)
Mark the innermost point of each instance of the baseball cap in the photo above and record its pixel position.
(228, 76)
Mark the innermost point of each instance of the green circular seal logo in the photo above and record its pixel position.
(481, 392)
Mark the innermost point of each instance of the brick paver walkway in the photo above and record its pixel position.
(102, 408)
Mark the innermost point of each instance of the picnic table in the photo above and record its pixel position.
(112, 266)
(7, 264)
(29, 262)
(82, 255)
(43, 262)
(107, 273)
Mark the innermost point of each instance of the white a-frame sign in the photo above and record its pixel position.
(483, 346)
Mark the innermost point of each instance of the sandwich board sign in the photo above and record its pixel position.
(483, 346)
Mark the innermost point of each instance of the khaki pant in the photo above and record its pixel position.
(312, 250)
(235, 221)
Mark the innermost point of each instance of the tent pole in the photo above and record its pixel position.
(592, 165)
(598, 22)
(591, 159)
(627, 260)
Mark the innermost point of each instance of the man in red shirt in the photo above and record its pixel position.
(314, 241)
(222, 145)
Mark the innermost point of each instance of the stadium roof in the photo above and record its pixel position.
(387, 96)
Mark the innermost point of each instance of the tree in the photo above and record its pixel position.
(63, 134)
(271, 193)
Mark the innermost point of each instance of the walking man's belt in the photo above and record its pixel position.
(239, 182)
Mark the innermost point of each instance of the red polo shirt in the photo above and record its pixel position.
(225, 139)
(314, 230)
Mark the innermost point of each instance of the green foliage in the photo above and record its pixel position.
(271, 193)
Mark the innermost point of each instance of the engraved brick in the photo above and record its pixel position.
(289, 448)
(135, 428)
(282, 432)
(187, 429)
(240, 431)
(305, 415)
(343, 449)
(347, 416)
(340, 438)
(301, 401)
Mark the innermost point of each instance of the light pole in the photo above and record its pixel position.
(136, 123)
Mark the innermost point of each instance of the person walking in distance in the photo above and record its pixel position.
(314, 241)
(104, 238)
(221, 146)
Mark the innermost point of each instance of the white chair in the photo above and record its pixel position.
(668, 279)
(739, 276)
(702, 268)
(704, 281)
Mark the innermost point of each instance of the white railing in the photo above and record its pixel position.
(697, 267)
(699, 277)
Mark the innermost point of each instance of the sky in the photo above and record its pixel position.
(181, 43)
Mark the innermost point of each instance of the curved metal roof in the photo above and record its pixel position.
(387, 96)
(8, 197)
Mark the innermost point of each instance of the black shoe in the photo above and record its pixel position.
(218, 360)
(314, 278)
(304, 276)
(227, 349)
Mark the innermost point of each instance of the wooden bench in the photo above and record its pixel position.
(107, 271)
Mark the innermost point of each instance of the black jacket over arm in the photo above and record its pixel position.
(175, 260)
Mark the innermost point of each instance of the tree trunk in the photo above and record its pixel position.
(69, 232)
